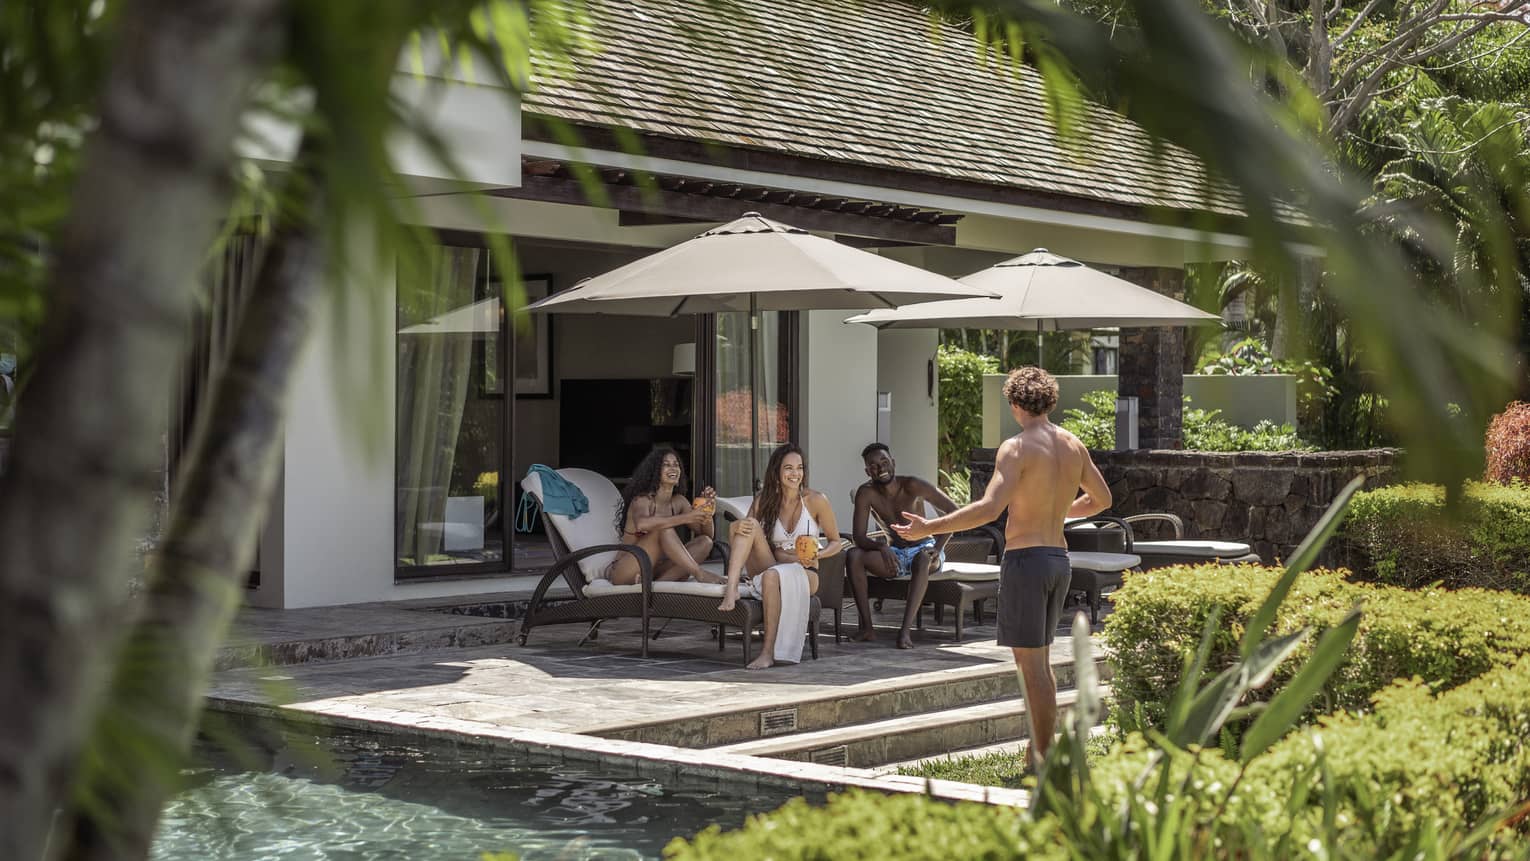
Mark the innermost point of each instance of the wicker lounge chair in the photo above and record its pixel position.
(584, 548)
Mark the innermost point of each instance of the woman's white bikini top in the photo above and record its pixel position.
(787, 541)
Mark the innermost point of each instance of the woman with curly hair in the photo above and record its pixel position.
(654, 506)
(764, 545)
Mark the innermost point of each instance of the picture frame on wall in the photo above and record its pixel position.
(534, 343)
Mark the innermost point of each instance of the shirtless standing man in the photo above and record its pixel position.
(1037, 475)
(888, 494)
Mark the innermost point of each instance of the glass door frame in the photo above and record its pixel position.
(704, 392)
(506, 368)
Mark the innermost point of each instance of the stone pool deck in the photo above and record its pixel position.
(421, 669)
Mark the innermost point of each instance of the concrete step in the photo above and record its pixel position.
(903, 738)
(920, 694)
(1014, 747)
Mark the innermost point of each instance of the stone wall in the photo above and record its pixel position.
(1269, 500)
(1152, 365)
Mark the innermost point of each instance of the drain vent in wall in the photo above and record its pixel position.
(778, 721)
(837, 755)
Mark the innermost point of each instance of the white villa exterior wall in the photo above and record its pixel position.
(839, 380)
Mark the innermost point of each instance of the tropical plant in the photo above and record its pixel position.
(957, 484)
(1096, 426)
(1203, 430)
(961, 403)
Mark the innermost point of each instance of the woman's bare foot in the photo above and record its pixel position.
(905, 640)
(764, 661)
(702, 575)
(867, 635)
(727, 604)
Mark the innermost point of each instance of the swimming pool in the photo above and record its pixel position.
(299, 793)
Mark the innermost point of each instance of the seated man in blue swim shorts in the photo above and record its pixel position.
(888, 495)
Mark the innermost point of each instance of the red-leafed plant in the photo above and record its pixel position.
(1508, 444)
(774, 423)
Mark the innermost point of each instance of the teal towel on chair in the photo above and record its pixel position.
(559, 495)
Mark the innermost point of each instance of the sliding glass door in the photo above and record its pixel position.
(451, 415)
(774, 404)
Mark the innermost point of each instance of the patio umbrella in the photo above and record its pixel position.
(1042, 292)
(754, 264)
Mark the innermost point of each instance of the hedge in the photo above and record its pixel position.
(1416, 763)
(1414, 760)
(1402, 535)
(1445, 637)
(857, 825)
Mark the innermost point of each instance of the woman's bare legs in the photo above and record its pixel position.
(682, 559)
(770, 596)
(748, 551)
(624, 571)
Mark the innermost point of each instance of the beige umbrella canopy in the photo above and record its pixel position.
(754, 264)
(1041, 291)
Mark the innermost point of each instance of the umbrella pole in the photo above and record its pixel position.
(754, 398)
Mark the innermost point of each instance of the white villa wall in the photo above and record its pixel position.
(839, 392)
(903, 358)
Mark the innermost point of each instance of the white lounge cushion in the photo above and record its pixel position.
(967, 572)
(1105, 563)
(593, 528)
(597, 588)
(735, 506)
(1208, 549)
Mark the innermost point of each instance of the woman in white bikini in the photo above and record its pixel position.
(653, 507)
(781, 582)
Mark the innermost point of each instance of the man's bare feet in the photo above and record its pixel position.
(727, 604)
(764, 661)
(865, 636)
(905, 640)
(702, 575)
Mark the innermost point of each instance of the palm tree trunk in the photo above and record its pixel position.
(86, 454)
(157, 693)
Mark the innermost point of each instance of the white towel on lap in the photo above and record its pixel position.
(795, 600)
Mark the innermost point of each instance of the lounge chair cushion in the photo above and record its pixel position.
(587, 530)
(967, 572)
(1208, 549)
(1105, 563)
(597, 588)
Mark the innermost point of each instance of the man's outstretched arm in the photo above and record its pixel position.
(1006, 471)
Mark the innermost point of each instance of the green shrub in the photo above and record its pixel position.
(868, 825)
(961, 403)
(1203, 430)
(1095, 427)
(1413, 762)
(1401, 535)
(1446, 638)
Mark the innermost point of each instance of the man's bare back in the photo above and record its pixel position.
(1051, 465)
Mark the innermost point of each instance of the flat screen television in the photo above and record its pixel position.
(609, 425)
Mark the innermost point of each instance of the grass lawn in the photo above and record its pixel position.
(1002, 768)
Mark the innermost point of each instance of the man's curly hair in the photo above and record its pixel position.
(1031, 389)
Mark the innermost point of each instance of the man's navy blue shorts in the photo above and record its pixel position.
(1033, 583)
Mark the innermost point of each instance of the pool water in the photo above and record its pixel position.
(286, 792)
